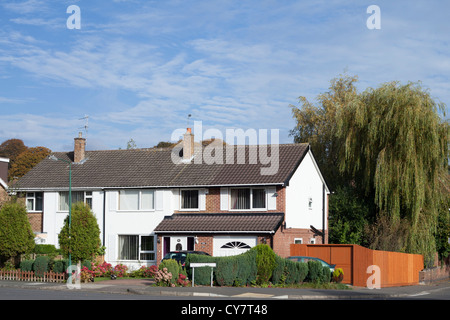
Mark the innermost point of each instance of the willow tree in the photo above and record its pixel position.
(395, 145)
(316, 124)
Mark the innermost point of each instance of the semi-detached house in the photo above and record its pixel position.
(148, 203)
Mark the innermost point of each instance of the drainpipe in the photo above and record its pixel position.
(104, 215)
(323, 213)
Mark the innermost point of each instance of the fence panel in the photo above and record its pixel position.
(396, 269)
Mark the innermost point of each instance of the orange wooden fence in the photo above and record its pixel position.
(395, 268)
(19, 275)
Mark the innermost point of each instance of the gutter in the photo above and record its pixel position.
(213, 231)
(148, 187)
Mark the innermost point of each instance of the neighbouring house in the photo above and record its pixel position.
(4, 196)
(151, 201)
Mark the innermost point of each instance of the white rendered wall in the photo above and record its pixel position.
(305, 183)
(133, 223)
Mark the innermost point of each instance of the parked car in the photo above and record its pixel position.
(180, 256)
(306, 259)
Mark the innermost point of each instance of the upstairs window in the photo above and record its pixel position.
(189, 199)
(135, 200)
(34, 201)
(77, 196)
(248, 199)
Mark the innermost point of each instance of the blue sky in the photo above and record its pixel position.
(138, 68)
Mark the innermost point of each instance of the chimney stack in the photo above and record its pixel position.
(188, 145)
(80, 148)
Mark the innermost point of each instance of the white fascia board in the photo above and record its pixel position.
(4, 184)
(318, 171)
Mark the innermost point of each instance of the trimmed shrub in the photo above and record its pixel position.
(202, 275)
(41, 265)
(326, 275)
(173, 267)
(16, 235)
(60, 266)
(296, 272)
(233, 270)
(314, 271)
(45, 249)
(26, 265)
(226, 271)
(303, 271)
(279, 272)
(265, 262)
(84, 240)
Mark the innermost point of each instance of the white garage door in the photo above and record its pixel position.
(232, 245)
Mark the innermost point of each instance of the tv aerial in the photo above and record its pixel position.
(86, 123)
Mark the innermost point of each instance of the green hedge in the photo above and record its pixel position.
(258, 265)
(233, 270)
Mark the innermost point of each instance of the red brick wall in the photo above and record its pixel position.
(36, 219)
(283, 238)
(212, 204)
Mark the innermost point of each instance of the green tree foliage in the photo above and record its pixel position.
(83, 241)
(16, 235)
(349, 215)
(388, 146)
(395, 148)
(317, 126)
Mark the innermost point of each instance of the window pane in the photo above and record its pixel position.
(30, 204)
(39, 201)
(77, 196)
(259, 198)
(89, 202)
(147, 200)
(128, 247)
(64, 201)
(147, 256)
(129, 200)
(240, 198)
(189, 199)
(147, 243)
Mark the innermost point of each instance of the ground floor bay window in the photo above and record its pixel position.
(137, 247)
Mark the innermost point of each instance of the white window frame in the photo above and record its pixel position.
(140, 251)
(86, 195)
(230, 202)
(181, 200)
(139, 200)
(312, 240)
(298, 240)
(32, 196)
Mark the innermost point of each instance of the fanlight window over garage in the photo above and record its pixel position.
(235, 245)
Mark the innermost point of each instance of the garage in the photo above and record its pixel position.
(232, 245)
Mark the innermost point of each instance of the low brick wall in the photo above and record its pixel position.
(434, 274)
